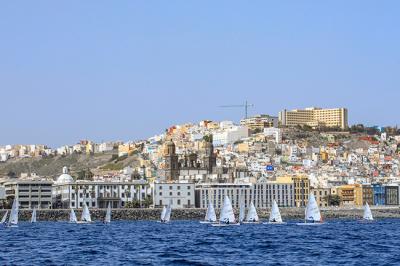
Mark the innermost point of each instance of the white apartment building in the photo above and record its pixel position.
(68, 193)
(273, 131)
(261, 194)
(230, 135)
(178, 195)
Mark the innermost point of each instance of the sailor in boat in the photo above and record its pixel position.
(311, 220)
(273, 220)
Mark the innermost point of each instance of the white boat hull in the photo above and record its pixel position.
(224, 225)
(309, 224)
(206, 222)
(269, 223)
(83, 222)
(250, 222)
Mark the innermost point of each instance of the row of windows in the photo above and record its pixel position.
(178, 187)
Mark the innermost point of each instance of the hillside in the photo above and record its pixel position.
(52, 166)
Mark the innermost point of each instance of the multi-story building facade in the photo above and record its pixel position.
(216, 192)
(367, 194)
(281, 190)
(177, 195)
(30, 193)
(379, 194)
(68, 193)
(259, 122)
(391, 194)
(350, 195)
(301, 190)
(314, 117)
(262, 193)
(321, 196)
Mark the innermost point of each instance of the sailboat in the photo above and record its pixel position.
(242, 211)
(166, 214)
(275, 216)
(13, 221)
(312, 213)
(227, 217)
(85, 218)
(211, 217)
(367, 213)
(72, 217)
(33, 218)
(4, 219)
(107, 219)
(252, 216)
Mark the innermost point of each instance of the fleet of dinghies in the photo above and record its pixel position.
(227, 216)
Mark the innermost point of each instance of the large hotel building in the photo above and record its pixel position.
(315, 117)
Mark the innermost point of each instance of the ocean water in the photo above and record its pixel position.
(191, 243)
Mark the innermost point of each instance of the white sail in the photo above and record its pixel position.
(242, 212)
(107, 219)
(86, 214)
(164, 211)
(312, 211)
(275, 216)
(33, 218)
(4, 219)
(210, 215)
(14, 213)
(367, 213)
(167, 216)
(72, 217)
(227, 215)
(252, 215)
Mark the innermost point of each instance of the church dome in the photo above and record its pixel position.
(65, 178)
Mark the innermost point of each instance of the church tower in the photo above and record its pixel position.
(171, 161)
(209, 159)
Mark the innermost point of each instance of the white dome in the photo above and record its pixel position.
(65, 177)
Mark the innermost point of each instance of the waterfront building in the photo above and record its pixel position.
(281, 190)
(350, 195)
(321, 196)
(31, 193)
(178, 195)
(379, 194)
(262, 193)
(68, 193)
(391, 194)
(216, 192)
(367, 194)
(314, 117)
(301, 190)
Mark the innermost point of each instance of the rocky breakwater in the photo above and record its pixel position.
(198, 214)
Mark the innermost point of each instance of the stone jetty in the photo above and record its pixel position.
(198, 214)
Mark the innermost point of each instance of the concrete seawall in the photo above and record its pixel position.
(198, 214)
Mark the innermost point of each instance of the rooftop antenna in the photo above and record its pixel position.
(246, 107)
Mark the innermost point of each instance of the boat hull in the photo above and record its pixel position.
(251, 223)
(206, 222)
(270, 223)
(310, 224)
(84, 222)
(224, 225)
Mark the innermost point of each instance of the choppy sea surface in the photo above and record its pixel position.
(191, 243)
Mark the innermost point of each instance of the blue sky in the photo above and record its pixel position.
(107, 70)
